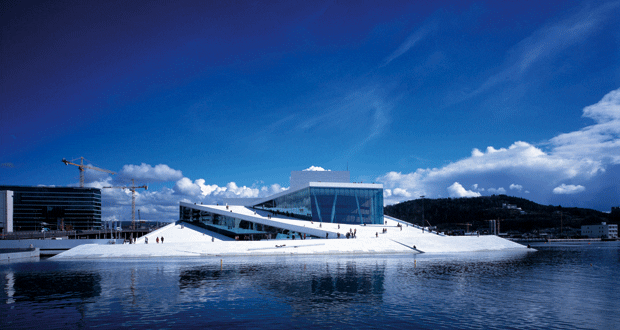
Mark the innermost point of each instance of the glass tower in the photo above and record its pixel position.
(55, 208)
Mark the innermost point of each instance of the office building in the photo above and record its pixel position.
(57, 208)
(603, 230)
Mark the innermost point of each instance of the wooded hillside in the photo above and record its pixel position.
(516, 214)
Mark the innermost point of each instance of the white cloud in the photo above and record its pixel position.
(163, 204)
(200, 191)
(597, 143)
(185, 186)
(104, 182)
(457, 190)
(476, 153)
(607, 109)
(499, 190)
(148, 173)
(401, 193)
(580, 156)
(315, 168)
(474, 187)
(272, 190)
(565, 189)
(516, 187)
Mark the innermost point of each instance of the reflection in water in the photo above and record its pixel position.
(10, 287)
(203, 276)
(50, 298)
(48, 286)
(351, 281)
(561, 286)
(308, 281)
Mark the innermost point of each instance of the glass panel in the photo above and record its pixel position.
(346, 209)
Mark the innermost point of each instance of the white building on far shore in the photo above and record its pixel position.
(600, 231)
(6, 211)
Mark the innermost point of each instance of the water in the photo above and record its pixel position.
(561, 286)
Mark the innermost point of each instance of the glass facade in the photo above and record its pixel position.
(330, 204)
(297, 205)
(233, 227)
(55, 208)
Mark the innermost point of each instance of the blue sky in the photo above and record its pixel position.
(201, 100)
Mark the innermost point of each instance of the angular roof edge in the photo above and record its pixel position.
(321, 184)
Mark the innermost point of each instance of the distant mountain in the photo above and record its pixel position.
(514, 213)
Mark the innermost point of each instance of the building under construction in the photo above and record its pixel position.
(56, 208)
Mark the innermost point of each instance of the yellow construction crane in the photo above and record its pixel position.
(133, 188)
(81, 166)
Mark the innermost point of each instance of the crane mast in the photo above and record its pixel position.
(133, 188)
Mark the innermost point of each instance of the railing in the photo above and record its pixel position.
(402, 222)
(32, 234)
(69, 234)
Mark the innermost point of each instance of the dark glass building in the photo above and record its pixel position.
(332, 203)
(55, 208)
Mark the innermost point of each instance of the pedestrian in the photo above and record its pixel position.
(377, 234)
(157, 240)
(162, 240)
(326, 235)
(146, 240)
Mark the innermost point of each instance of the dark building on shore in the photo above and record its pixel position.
(614, 216)
(57, 208)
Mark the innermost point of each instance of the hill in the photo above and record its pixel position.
(515, 214)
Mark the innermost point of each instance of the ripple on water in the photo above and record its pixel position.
(554, 288)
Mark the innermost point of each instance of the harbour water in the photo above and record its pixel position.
(560, 286)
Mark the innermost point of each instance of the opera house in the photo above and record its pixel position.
(321, 213)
